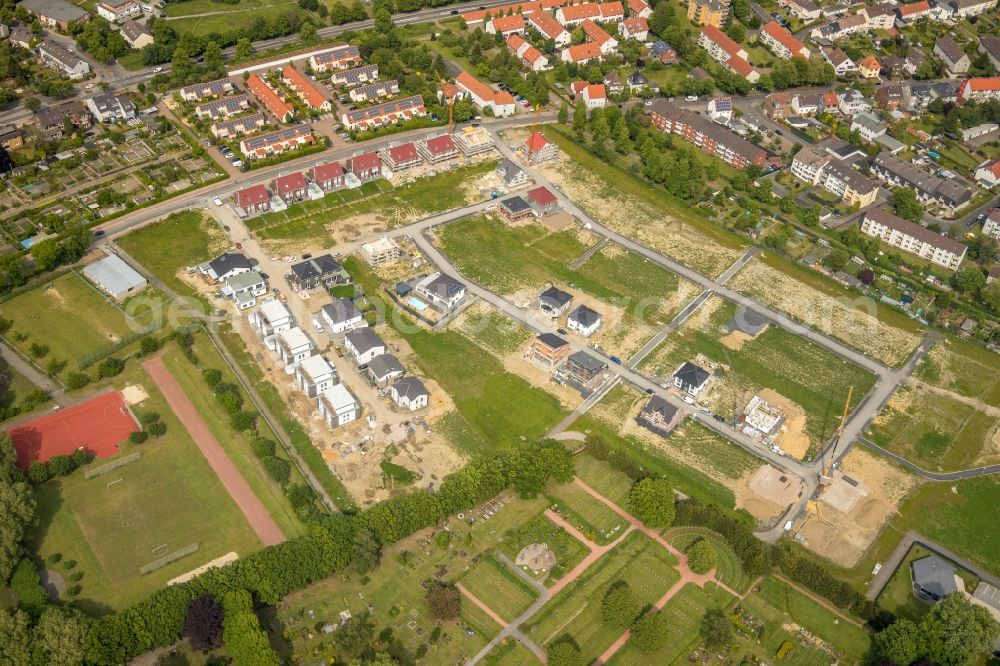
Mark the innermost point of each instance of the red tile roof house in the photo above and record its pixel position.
(278, 107)
(640, 8)
(539, 149)
(581, 53)
(506, 25)
(599, 36)
(542, 200)
(307, 91)
(979, 90)
(291, 188)
(254, 199)
(605, 12)
(438, 149)
(366, 166)
(501, 103)
(529, 55)
(339, 57)
(634, 27)
(782, 43)
(594, 95)
(911, 12)
(328, 177)
(400, 158)
(550, 29)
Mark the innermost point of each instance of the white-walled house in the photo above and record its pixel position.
(690, 378)
(315, 375)
(271, 319)
(410, 393)
(364, 344)
(341, 315)
(584, 321)
(294, 346)
(337, 406)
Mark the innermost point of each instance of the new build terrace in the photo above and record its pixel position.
(339, 57)
(386, 113)
(276, 142)
(706, 135)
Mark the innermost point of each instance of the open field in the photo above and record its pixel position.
(589, 515)
(378, 203)
(684, 611)
(963, 368)
(492, 330)
(193, 237)
(394, 591)
(815, 380)
(498, 587)
(645, 565)
(170, 498)
(70, 317)
(936, 431)
(878, 331)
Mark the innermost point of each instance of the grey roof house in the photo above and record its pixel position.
(553, 301)
(933, 578)
(690, 378)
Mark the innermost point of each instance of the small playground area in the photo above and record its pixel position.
(99, 425)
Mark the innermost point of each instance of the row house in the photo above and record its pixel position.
(339, 57)
(52, 120)
(910, 13)
(278, 107)
(967, 8)
(328, 177)
(708, 12)
(594, 95)
(365, 167)
(581, 53)
(291, 188)
(386, 113)
(840, 28)
(355, 76)
(501, 103)
(400, 158)
(842, 64)
(634, 27)
(56, 57)
(706, 135)
(913, 238)
(294, 346)
(239, 126)
(979, 90)
(117, 12)
(276, 142)
(530, 57)
(605, 12)
(111, 108)
(438, 149)
(315, 375)
(254, 199)
(307, 91)
(550, 28)
(200, 91)
(599, 36)
(929, 187)
(781, 42)
(506, 26)
(317, 272)
(136, 35)
(271, 319)
(956, 61)
(375, 91)
(223, 108)
(338, 407)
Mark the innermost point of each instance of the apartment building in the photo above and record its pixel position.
(913, 238)
(706, 135)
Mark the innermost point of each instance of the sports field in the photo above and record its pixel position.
(98, 425)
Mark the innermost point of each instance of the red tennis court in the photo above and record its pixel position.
(99, 425)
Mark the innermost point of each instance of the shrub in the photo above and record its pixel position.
(278, 468)
(212, 377)
(81, 457)
(69, 564)
(158, 429)
(701, 556)
(111, 367)
(39, 472)
(76, 577)
(77, 380)
(149, 417)
(54, 558)
(262, 447)
(60, 465)
(244, 421)
(74, 591)
(138, 436)
(149, 344)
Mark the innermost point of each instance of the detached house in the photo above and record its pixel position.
(245, 289)
(328, 177)
(584, 321)
(136, 34)
(116, 12)
(539, 149)
(839, 60)
(294, 346)
(594, 95)
(315, 376)
(254, 199)
(341, 315)
(634, 27)
(554, 301)
(438, 149)
(410, 393)
(337, 406)
(441, 289)
(364, 344)
(955, 60)
(659, 415)
(691, 379)
(365, 167)
(400, 158)
(271, 318)
(225, 266)
(548, 350)
(384, 369)
(56, 57)
(291, 188)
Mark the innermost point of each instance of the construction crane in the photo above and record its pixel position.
(824, 476)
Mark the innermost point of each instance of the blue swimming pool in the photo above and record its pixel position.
(417, 304)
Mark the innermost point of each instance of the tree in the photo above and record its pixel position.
(904, 203)
(308, 33)
(203, 624)
(649, 632)
(736, 31)
(579, 120)
(701, 556)
(563, 113)
(564, 652)
(244, 49)
(15, 648)
(898, 643)
(956, 632)
(366, 550)
(61, 635)
(837, 259)
(991, 295)
(444, 601)
(715, 628)
(213, 56)
(970, 280)
(652, 501)
(32, 104)
(620, 605)
(536, 464)
(18, 512)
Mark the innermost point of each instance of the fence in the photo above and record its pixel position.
(114, 464)
(168, 558)
(101, 353)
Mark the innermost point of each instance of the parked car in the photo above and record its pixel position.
(691, 98)
(217, 201)
(688, 399)
(157, 70)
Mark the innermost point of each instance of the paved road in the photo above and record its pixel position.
(933, 476)
(42, 381)
(910, 538)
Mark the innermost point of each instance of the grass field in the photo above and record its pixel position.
(604, 479)
(683, 612)
(490, 329)
(963, 368)
(192, 237)
(934, 431)
(70, 317)
(802, 372)
(511, 652)
(499, 588)
(645, 565)
(223, 18)
(394, 590)
(16, 387)
(395, 205)
(728, 568)
(169, 497)
(539, 529)
(589, 515)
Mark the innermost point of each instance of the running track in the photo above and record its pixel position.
(260, 520)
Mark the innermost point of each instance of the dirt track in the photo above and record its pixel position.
(260, 520)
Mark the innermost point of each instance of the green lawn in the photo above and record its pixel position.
(170, 497)
(16, 387)
(897, 596)
(494, 331)
(645, 565)
(962, 367)
(604, 479)
(191, 237)
(815, 379)
(934, 431)
(589, 515)
(539, 529)
(72, 318)
(684, 611)
(395, 205)
(728, 568)
(499, 588)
